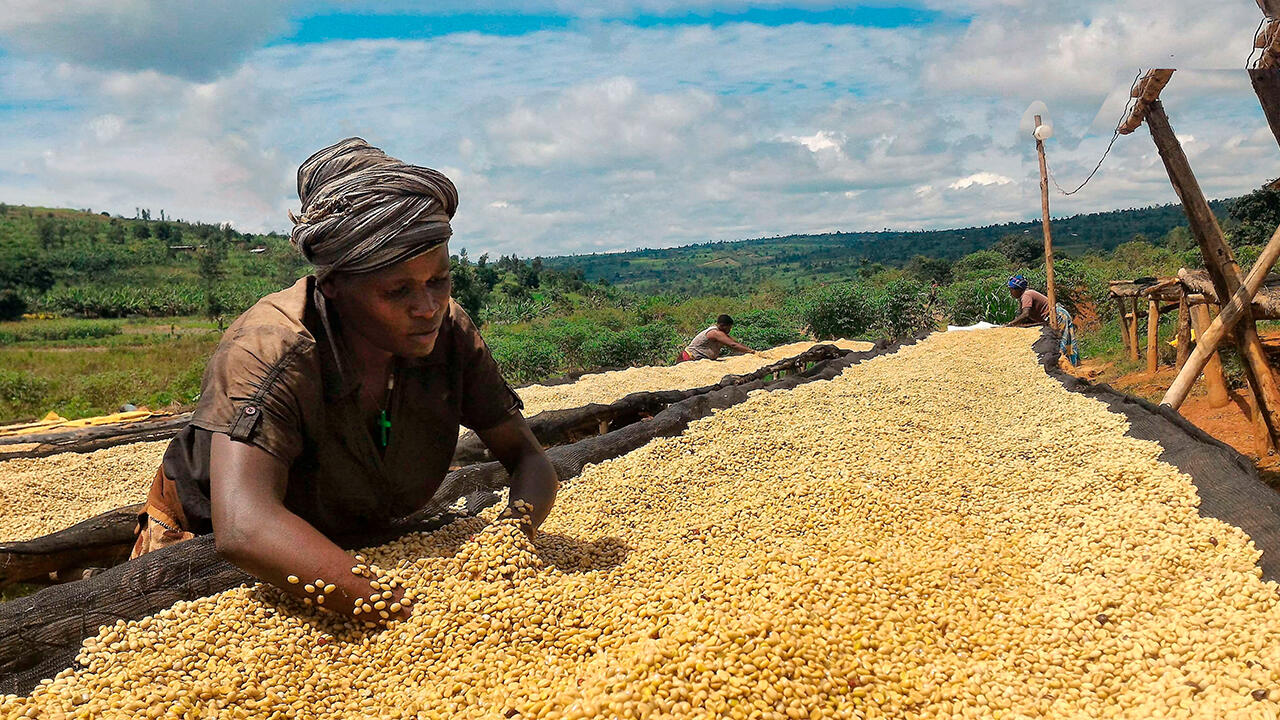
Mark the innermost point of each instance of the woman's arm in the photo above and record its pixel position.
(533, 479)
(1023, 318)
(722, 337)
(253, 530)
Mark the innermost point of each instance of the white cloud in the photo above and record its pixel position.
(610, 136)
(981, 178)
(186, 38)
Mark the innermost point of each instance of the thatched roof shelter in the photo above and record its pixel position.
(1162, 289)
(1266, 304)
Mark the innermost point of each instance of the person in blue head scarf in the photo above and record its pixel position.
(1034, 310)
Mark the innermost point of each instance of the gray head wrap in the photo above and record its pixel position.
(363, 210)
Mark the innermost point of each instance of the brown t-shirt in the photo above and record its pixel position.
(280, 382)
(1038, 303)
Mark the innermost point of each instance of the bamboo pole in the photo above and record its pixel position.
(1218, 260)
(1232, 313)
(1184, 331)
(1153, 336)
(1048, 237)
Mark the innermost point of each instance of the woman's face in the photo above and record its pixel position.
(398, 309)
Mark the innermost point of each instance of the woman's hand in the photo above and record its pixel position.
(253, 530)
(533, 480)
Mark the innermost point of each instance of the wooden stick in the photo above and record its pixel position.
(1153, 337)
(1215, 382)
(1232, 313)
(1147, 92)
(1133, 331)
(1048, 237)
(1184, 332)
(1124, 326)
(1266, 85)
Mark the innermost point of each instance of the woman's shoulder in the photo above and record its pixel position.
(279, 325)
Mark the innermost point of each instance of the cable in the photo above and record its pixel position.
(1249, 60)
(1128, 108)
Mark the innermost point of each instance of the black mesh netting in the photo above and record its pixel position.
(41, 634)
(1227, 482)
(105, 540)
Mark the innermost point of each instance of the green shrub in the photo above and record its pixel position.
(643, 345)
(836, 311)
(902, 308)
(764, 329)
(55, 330)
(20, 388)
(971, 301)
(980, 265)
(526, 359)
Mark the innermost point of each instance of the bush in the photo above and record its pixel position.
(12, 305)
(526, 359)
(903, 308)
(971, 301)
(764, 329)
(836, 311)
(980, 265)
(18, 388)
(643, 345)
(54, 330)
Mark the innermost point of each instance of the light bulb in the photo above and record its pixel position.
(1044, 132)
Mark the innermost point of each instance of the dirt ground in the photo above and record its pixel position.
(1231, 423)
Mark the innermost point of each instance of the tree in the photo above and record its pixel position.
(211, 272)
(929, 270)
(981, 264)
(1024, 249)
(1258, 214)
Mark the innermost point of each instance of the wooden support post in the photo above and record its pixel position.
(1215, 382)
(1212, 335)
(1266, 85)
(1124, 325)
(1048, 237)
(1133, 331)
(1184, 331)
(1218, 260)
(1153, 336)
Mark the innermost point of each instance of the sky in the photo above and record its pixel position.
(572, 127)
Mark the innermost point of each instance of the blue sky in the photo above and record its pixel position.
(571, 127)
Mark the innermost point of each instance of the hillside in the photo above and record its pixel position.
(799, 259)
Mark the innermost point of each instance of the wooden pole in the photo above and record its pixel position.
(1266, 85)
(1124, 325)
(1184, 331)
(1218, 260)
(1048, 237)
(1215, 382)
(1153, 336)
(1232, 313)
(1133, 331)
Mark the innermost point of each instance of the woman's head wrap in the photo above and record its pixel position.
(363, 210)
(1017, 282)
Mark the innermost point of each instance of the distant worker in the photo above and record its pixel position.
(1034, 310)
(708, 344)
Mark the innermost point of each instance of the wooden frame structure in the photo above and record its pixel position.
(1219, 261)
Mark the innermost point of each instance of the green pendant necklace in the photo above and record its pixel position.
(384, 423)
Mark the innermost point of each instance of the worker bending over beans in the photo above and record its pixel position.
(332, 407)
(708, 343)
(1034, 310)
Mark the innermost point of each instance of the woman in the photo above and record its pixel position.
(332, 407)
(708, 343)
(1033, 309)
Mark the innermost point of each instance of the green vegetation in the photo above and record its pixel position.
(131, 308)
